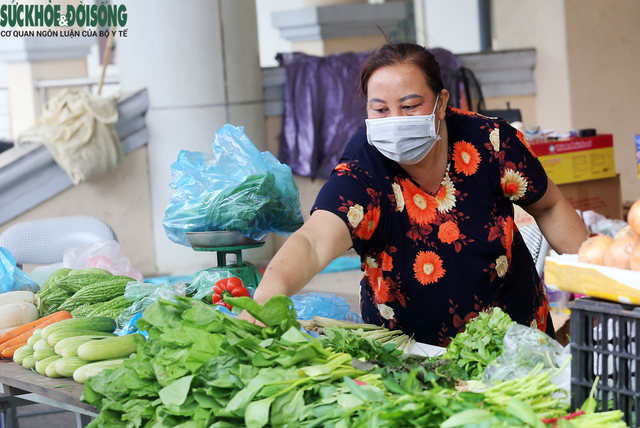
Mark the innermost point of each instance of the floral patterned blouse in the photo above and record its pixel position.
(433, 261)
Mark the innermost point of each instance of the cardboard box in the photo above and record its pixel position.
(577, 159)
(568, 274)
(602, 196)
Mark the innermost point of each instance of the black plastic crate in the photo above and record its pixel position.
(604, 343)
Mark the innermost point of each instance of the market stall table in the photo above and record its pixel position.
(23, 384)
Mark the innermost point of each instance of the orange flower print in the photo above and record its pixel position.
(507, 235)
(368, 224)
(448, 232)
(494, 137)
(514, 185)
(379, 285)
(342, 167)
(466, 158)
(387, 261)
(421, 206)
(428, 267)
(397, 193)
(524, 141)
(540, 318)
(464, 112)
(370, 263)
(446, 197)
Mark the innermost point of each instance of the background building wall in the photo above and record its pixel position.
(603, 51)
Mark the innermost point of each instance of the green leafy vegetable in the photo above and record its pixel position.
(480, 343)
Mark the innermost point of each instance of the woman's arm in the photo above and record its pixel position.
(310, 249)
(558, 221)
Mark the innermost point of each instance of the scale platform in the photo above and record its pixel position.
(226, 242)
(221, 241)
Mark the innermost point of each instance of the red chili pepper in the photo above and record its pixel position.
(567, 417)
(228, 287)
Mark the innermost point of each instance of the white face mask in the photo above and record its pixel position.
(404, 139)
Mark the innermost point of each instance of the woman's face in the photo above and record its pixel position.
(400, 90)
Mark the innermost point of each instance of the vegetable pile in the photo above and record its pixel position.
(16, 308)
(480, 343)
(61, 346)
(87, 292)
(201, 367)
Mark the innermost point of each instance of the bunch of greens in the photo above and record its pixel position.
(356, 344)
(204, 368)
(254, 205)
(480, 343)
(530, 401)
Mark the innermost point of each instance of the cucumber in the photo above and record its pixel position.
(34, 337)
(81, 374)
(29, 362)
(64, 343)
(57, 336)
(21, 353)
(67, 366)
(41, 354)
(41, 344)
(51, 371)
(41, 366)
(111, 347)
(94, 323)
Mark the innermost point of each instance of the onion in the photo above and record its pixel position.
(619, 253)
(634, 261)
(593, 249)
(633, 218)
(625, 231)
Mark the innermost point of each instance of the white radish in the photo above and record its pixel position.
(16, 314)
(16, 297)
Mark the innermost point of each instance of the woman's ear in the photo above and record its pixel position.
(443, 100)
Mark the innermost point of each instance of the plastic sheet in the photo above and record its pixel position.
(104, 255)
(202, 284)
(238, 188)
(524, 349)
(144, 295)
(11, 277)
(324, 305)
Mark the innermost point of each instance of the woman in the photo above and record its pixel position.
(424, 195)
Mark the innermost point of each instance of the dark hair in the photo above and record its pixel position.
(402, 53)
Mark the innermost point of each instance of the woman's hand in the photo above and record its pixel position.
(309, 250)
(244, 315)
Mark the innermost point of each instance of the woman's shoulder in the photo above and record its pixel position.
(484, 132)
(466, 118)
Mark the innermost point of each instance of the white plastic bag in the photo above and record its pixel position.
(525, 348)
(104, 255)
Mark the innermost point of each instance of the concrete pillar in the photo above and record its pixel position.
(323, 29)
(200, 63)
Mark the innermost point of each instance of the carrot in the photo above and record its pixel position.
(8, 352)
(59, 316)
(22, 338)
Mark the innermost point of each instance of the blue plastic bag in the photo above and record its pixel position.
(11, 277)
(325, 305)
(238, 188)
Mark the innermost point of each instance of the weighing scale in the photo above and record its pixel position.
(225, 243)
